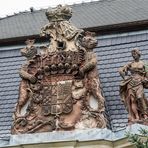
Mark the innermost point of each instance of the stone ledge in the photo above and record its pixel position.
(78, 144)
(76, 138)
(59, 136)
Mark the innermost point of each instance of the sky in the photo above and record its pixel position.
(9, 7)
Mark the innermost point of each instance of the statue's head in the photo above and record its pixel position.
(89, 41)
(136, 53)
(29, 51)
(59, 13)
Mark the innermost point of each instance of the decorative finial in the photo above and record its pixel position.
(59, 13)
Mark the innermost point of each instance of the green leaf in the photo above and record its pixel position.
(135, 139)
(144, 132)
(146, 67)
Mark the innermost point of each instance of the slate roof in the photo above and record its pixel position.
(86, 15)
(113, 51)
(10, 62)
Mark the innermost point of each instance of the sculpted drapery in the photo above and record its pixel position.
(135, 79)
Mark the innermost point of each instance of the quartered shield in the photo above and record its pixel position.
(57, 98)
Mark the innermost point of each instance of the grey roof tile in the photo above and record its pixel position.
(110, 59)
(87, 15)
(124, 116)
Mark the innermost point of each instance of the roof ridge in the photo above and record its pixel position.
(92, 2)
(22, 12)
(42, 9)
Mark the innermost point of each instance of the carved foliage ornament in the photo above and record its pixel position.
(60, 89)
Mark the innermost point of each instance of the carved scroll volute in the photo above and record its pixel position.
(60, 88)
(132, 89)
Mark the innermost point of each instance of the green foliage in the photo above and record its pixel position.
(146, 67)
(137, 140)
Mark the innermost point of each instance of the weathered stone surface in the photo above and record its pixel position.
(79, 135)
(76, 138)
(135, 79)
(60, 88)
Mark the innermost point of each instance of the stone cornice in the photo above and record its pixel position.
(75, 139)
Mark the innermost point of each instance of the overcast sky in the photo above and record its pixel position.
(9, 7)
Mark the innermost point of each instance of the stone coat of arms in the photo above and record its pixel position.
(60, 88)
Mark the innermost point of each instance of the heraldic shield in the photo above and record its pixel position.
(57, 98)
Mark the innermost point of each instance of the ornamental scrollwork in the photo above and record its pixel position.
(60, 80)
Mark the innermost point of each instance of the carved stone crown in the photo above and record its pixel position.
(59, 13)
